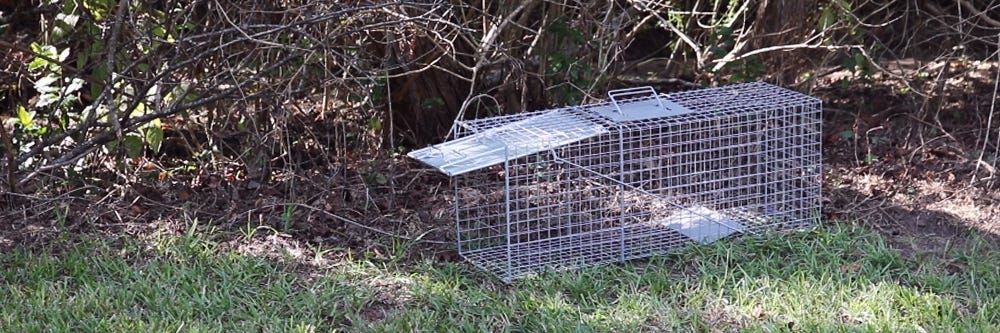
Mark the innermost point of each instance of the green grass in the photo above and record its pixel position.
(836, 278)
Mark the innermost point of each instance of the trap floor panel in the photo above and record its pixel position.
(639, 240)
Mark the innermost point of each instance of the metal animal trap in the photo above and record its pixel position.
(641, 175)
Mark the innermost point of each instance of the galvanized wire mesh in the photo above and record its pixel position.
(581, 186)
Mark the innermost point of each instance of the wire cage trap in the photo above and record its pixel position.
(640, 175)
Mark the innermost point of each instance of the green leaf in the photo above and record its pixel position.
(377, 178)
(140, 109)
(98, 8)
(374, 124)
(63, 55)
(47, 84)
(37, 63)
(432, 102)
(94, 52)
(74, 86)
(159, 31)
(133, 145)
(826, 19)
(846, 5)
(39, 48)
(46, 100)
(154, 134)
(847, 134)
(850, 64)
(24, 116)
(64, 25)
(111, 145)
(859, 59)
(45, 50)
(717, 51)
(179, 91)
(100, 75)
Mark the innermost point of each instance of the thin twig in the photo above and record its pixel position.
(418, 238)
(989, 123)
(111, 51)
(981, 13)
(699, 57)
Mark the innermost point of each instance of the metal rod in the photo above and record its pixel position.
(621, 188)
(506, 189)
(613, 95)
(458, 227)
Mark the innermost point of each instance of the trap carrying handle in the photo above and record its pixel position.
(615, 94)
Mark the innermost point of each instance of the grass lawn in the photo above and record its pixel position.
(839, 277)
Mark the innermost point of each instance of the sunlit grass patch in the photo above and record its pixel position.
(838, 277)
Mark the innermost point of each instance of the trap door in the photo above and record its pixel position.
(507, 142)
(702, 224)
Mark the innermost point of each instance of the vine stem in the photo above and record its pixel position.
(989, 124)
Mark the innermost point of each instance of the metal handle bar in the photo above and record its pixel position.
(619, 93)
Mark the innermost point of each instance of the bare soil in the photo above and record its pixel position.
(920, 169)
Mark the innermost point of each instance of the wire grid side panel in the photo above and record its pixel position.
(733, 98)
(691, 168)
(629, 160)
(715, 162)
(559, 217)
(794, 164)
(480, 210)
(766, 169)
(468, 127)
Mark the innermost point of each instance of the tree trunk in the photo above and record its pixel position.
(781, 22)
(425, 104)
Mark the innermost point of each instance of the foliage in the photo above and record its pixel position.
(138, 80)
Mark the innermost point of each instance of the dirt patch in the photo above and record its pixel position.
(915, 167)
